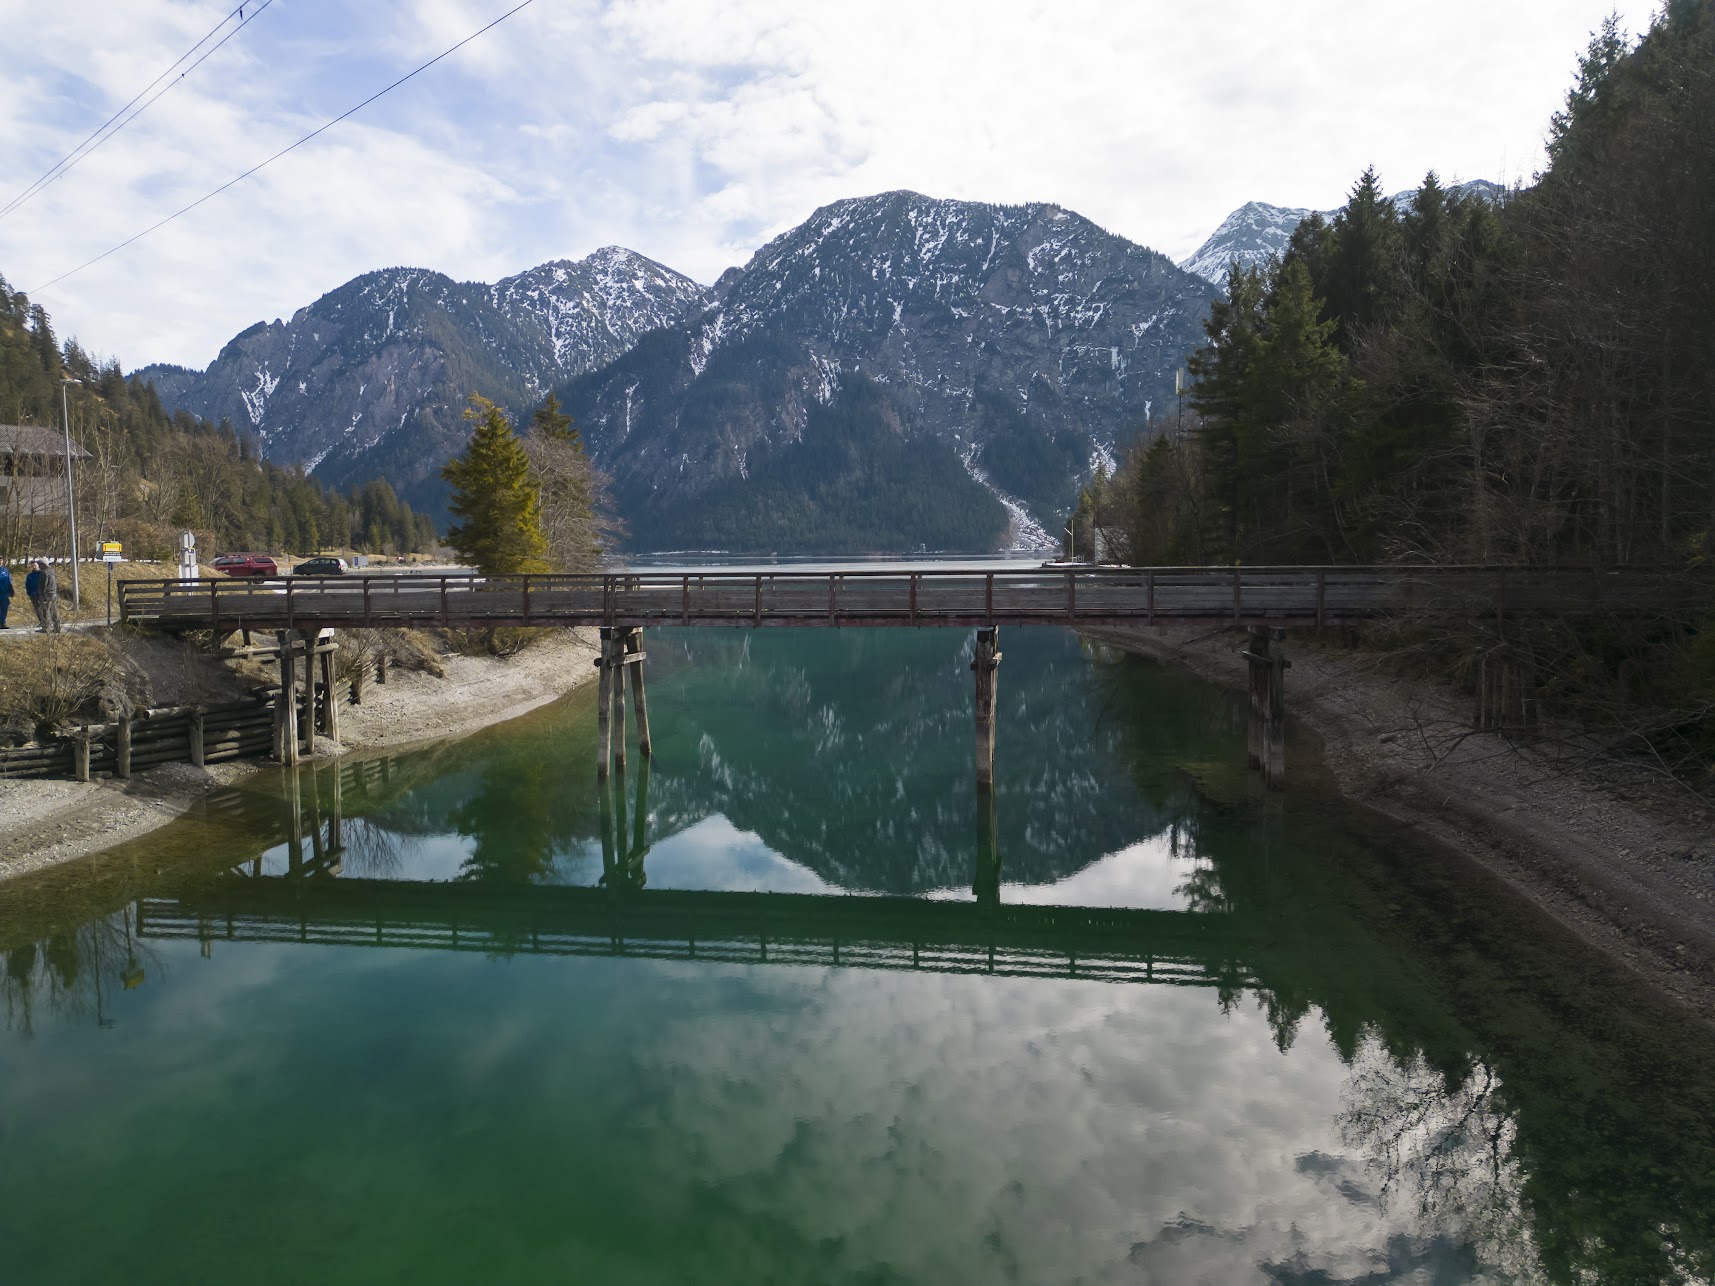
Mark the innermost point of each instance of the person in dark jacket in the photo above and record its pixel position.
(5, 594)
(44, 590)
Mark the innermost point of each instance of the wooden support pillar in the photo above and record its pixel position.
(1274, 729)
(80, 755)
(307, 721)
(1256, 669)
(605, 677)
(616, 661)
(634, 647)
(286, 708)
(330, 702)
(122, 752)
(984, 664)
(1266, 666)
(196, 737)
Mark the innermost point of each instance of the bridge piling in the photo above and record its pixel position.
(306, 647)
(286, 705)
(330, 698)
(985, 663)
(1266, 664)
(616, 661)
(605, 677)
(634, 662)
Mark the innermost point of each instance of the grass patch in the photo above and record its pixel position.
(51, 680)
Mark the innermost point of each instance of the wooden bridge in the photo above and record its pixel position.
(1265, 599)
(859, 596)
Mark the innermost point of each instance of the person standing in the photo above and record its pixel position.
(5, 593)
(43, 588)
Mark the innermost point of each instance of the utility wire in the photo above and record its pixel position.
(290, 147)
(103, 133)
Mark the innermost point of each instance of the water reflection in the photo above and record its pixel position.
(1439, 1088)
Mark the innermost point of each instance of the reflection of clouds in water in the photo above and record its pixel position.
(974, 1129)
(1147, 874)
(1444, 1152)
(715, 854)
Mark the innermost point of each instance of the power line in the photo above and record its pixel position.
(70, 272)
(102, 133)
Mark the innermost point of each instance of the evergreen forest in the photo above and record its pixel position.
(855, 472)
(1459, 382)
(1452, 382)
(150, 475)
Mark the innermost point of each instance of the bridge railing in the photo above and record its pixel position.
(1312, 595)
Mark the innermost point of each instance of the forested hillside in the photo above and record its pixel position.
(152, 475)
(1461, 382)
(1532, 383)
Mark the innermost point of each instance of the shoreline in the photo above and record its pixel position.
(1627, 867)
(51, 822)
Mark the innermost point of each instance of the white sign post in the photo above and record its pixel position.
(187, 555)
(111, 552)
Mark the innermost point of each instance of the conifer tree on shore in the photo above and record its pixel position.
(499, 508)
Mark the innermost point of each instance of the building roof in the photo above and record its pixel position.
(35, 439)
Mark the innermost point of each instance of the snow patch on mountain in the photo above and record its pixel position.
(1023, 531)
(1257, 232)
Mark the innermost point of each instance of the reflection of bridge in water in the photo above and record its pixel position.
(313, 903)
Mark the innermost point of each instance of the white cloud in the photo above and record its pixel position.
(691, 132)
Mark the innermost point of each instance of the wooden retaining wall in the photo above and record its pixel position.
(175, 734)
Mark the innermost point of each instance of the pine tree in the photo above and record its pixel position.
(1362, 283)
(499, 510)
(550, 422)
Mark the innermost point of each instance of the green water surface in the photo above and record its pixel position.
(788, 1004)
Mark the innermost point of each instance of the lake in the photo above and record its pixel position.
(791, 1004)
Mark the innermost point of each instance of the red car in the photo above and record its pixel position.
(247, 565)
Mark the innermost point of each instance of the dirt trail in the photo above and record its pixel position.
(1627, 865)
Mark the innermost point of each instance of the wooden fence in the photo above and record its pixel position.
(908, 597)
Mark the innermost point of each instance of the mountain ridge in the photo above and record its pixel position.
(372, 377)
(1025, 339)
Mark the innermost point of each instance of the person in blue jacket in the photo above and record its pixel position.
(5, 594)
(43, 588)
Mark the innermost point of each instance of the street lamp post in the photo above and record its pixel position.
(71, 494)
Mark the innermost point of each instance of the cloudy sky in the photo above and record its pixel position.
(693, 131)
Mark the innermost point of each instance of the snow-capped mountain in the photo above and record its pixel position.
(1257, 232)
(372, 379)
(1020, 342)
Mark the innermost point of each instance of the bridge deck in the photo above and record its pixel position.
(1108, 944)
(863, 597)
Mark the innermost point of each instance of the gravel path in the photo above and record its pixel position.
(1625, 862)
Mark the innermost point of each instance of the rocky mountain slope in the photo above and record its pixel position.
(1003, 350)
(1257, 232)
(372, 379)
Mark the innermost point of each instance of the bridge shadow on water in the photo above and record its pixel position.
(309, 899)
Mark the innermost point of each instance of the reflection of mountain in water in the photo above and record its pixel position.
(849, 754)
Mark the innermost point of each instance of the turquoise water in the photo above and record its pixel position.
(792, 1006)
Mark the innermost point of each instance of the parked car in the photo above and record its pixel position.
(322, 566)
(247, 565)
